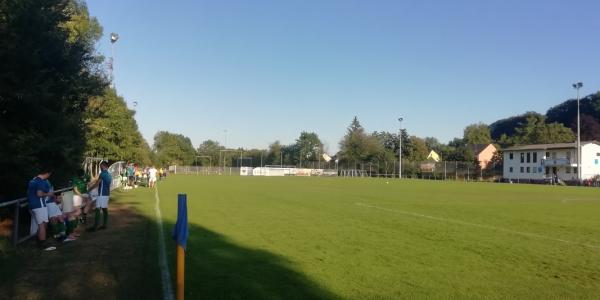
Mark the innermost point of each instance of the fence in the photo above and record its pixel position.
(20, 204)
(199, 170)
(444, 170)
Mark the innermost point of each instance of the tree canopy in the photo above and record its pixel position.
(48, 71)
(477, 134)
(112, 131)
(356, 146)
(173, 149)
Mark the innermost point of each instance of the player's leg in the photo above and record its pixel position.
(104, 212)
(40, 216)
(71, 220)
(105, 218)
(57, 224)
(96, 218)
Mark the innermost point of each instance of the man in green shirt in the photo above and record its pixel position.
(81, 196)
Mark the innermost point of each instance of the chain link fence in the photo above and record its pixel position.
(445, 170)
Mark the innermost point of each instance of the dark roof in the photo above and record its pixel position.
(549, 146)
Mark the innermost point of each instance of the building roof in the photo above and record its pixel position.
(434, 156)
(549, 146)
(477, 148)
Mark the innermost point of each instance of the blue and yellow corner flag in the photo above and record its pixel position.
(180, 233)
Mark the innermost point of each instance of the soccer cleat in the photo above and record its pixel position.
(51, 248)
(69, 239)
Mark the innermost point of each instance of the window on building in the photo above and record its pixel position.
(547, 155)
(510, 169)
(522, 157)
(528, 170)
(568, 154)
(547, 170)
(534, 170)
(528, 157)
(597, 154)
(522, 169)
(510, 156)
(568, 170)
(574, 169)
(534, 157)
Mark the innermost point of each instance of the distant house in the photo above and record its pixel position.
(433, 156)
(542, 161)
(483, 153)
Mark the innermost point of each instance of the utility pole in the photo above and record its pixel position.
(400, 149)
(577, 86)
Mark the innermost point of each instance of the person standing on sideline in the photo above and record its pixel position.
(103, 184)
(152, 177)
(37, 190)
(131, 174)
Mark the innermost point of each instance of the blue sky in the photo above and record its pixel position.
(266, 70)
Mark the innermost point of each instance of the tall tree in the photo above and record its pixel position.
(509, 125)
(309, 146)
(211, 149)
(112, 131)
(536, 131)
(418, 150)
(590, 128)
(173, 149)
(477, 134)
(47, 75)
(356, 146)
(274, 156)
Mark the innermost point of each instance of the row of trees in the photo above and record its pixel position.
(56, 105)
(49, 69)
(359, 147)
(307, 149)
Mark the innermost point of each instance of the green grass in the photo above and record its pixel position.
(328, 238)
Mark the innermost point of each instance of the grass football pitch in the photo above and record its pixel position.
(335, 238)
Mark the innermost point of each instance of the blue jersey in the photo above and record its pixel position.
(105, 181)
(50, 189)
(37, 184)
(130, 171)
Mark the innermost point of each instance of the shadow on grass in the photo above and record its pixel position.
(216, 268)
(122, 263)
(117, 263)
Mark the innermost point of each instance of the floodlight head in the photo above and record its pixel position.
(114, 37)
(400, 119)
(577, 85)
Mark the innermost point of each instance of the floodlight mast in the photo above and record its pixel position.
(578, 86)
(400, 149)
(113, 39)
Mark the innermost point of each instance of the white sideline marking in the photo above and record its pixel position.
(162, 256)
(566, 200)
(527, 234)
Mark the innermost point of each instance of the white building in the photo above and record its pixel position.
(543, 161)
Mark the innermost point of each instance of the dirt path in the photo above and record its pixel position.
(117, 263)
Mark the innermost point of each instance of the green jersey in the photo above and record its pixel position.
(80, 184)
